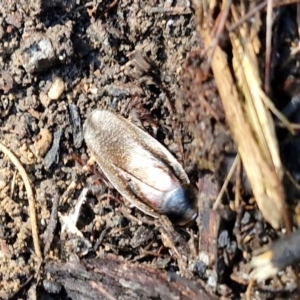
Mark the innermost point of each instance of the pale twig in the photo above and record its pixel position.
(256, 9)
(268, 46)
(249, 289)
(225, 184)
(31, 200)
(238, 184)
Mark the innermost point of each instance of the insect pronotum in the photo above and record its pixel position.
(139, 167)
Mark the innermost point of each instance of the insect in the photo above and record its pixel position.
(139, 167)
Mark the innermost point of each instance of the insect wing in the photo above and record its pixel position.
(137, 165)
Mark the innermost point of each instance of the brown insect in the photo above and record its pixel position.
(139, 167)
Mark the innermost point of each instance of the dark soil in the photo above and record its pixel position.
(59, 60)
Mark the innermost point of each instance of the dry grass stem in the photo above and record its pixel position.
(225, 184)
(31, 199)
(247, 114)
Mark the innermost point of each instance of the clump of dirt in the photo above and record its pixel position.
(144, 60)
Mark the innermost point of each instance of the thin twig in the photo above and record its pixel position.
(31, 200)
(48, 235)
(292, 179)
(13, 182)
(247, 16)
(225, 184)
(256, 9)
(219, 29)
(249, 289)
(298, 17)
(238, 183)
(268, 46)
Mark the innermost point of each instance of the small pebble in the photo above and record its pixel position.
(45, 100)
(56, 89)
(43, 142)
